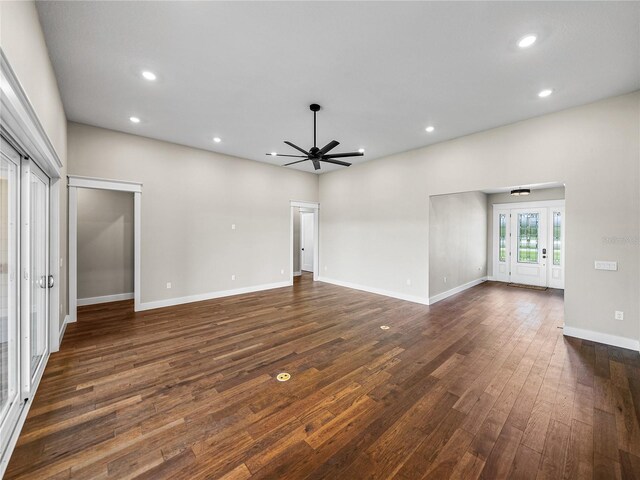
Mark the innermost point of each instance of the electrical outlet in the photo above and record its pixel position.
(619, 315)
(445, 279)
(325, 268)
(168, 284)
(408, 281)
(233, 277)
(282, 272)
(233, 226)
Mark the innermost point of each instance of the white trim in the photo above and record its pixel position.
(540, 204)
(311, 205)
(169, 302)
(137, 250)
(63, 329)
(4, 459)
(21, 122)
(298, 273)
(104, 184)
(76, 182)
(378, 291)
(72, 239)
(105, 299)
(458, 289)
(607, 339)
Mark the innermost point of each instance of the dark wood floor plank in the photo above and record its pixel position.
(481, 384)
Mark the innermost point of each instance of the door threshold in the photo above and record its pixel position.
(522, 285)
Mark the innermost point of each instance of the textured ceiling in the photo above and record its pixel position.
(382, 71)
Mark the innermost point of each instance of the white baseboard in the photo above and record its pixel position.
(491, 278)
(209, 296)
(105, 299)
(378, 291)
(458, 289)
(614, 340)
(298, 273)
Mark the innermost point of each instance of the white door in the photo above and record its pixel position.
(529, 247)
(11, 400)
(306, 241)
(35, 272)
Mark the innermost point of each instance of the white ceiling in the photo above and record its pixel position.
(382, 71)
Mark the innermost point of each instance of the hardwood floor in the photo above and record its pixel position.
(481, 385)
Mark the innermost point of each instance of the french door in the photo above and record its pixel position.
(529, 245)
(24, 283)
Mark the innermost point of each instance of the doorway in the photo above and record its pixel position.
(75, 183)
(529, 243)
(303, 245)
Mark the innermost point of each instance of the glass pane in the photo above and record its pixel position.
(557, 225)
(528, 238)
(38, 233)
(8, 287)
(502, 240)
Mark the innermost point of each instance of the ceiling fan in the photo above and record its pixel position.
(315, 154)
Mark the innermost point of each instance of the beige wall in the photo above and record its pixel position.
(540, 195)
(457, 240)
(190, 199)
(23, 44)
(375, 226)
(105, 243)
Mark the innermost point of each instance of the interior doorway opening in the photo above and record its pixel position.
(77, 183)
(304, 255)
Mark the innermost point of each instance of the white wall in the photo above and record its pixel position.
(457, 240)
(540, 195)
(105, 243)
(374, 218)
(23, 44)
(190, 199)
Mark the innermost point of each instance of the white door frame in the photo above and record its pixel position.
(315, 207)
(506, 207)
(76, 182)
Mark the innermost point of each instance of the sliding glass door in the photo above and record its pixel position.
(35, 267)
(24, 283)
(10, 394)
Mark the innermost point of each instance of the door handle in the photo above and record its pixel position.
(42, 281)
(50, 283)
(544, 253)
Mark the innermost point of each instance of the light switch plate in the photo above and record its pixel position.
(606, 265)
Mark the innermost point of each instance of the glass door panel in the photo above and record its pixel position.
(39, 271)
(529, 246)
(9, 321)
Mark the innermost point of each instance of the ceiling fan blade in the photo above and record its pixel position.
(316, 163)
(282, 155)
(342, 155)
(296, 147)
(329, 146)
(293, 163)
(337, 162)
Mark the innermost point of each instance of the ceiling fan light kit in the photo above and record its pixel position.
(520, 192)
(315, 154)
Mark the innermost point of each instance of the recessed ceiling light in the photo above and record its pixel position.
(361, 150)
(430, 128)
(527, 41)
(134, 119)
(217, 139)
(149, 75)
(273, 154)
(545, 93)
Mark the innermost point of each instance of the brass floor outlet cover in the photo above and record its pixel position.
(283, 377)
(385, 327)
